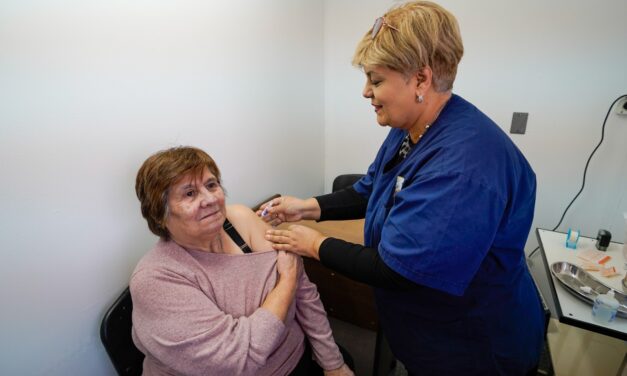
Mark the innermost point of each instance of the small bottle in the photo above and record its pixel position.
(605, 307)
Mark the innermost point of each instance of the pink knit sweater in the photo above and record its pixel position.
(198, 313)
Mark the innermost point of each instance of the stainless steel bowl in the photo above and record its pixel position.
(584, 286)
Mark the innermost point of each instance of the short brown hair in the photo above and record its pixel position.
(157, 175)
(426, 35)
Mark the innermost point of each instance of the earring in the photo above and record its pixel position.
(420, 98)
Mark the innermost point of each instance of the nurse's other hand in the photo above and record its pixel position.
(298, 239)
(342, 371)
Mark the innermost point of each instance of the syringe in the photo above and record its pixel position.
(265, 210)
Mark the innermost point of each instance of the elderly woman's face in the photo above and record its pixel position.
(392, 95)
(196, 208)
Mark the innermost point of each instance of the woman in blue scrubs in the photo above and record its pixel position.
(448, 204)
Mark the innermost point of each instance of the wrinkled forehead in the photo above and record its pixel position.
(194, 177)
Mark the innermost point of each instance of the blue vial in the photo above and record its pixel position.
(572, 238)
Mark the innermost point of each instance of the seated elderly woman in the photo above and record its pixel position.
(212, 297)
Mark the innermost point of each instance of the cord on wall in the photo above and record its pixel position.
(622, 99)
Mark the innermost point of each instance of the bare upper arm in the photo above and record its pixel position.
(250, 227)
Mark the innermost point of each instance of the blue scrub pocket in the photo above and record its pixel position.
(379, 218)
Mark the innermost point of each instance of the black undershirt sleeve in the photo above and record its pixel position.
(355, 261)
(362, 264)
(343, 204)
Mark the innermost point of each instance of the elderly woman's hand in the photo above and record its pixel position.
(289, 209)
(288, 265)
(342, 371)
(298, 239)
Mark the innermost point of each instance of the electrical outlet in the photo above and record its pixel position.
(621, 106)
(519, 123)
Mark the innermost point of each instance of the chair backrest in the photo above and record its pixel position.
(258, 205)
(115, 333)
(345, 181)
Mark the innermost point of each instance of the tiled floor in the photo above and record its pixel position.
(574, 351)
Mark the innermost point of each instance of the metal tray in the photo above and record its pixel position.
(574, 278)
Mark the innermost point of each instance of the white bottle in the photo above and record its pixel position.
(605, 307)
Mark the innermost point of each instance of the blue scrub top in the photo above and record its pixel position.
(454, 217)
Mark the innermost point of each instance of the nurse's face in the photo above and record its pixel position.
(393, 96)
(196, 210)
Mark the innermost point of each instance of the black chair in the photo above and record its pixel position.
(345, 181)
(258, 205)
(115, 333)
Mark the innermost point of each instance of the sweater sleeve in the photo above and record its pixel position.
(313, 320)
(182, 327)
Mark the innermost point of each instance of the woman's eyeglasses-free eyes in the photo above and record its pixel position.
(378, 24)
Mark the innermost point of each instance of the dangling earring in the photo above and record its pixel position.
(420, 98)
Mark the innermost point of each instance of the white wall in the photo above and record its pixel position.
(562, 61)
(88, 89)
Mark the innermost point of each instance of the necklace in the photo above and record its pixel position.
(407, 143)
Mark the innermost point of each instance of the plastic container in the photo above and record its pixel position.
(605, 307)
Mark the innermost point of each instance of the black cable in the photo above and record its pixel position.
(585, 170)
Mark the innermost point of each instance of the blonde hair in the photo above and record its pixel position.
(421, 33)
(157, 175)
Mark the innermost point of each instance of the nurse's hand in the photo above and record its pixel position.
(288, 209)
(301, 240)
